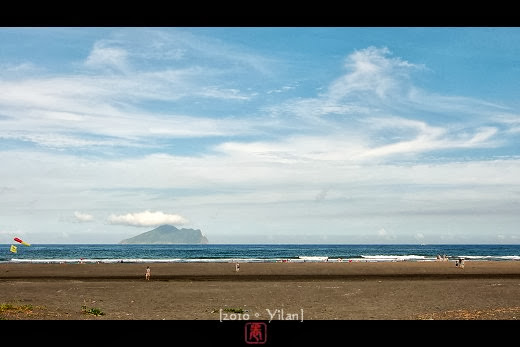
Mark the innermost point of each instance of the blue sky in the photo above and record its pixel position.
(261, 134)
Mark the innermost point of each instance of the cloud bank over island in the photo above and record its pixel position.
(147, 219)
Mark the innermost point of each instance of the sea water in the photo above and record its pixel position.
(111, 253)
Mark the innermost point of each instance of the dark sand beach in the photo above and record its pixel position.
(264, 291)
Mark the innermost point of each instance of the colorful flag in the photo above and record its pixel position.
(13, 249)
(21, 241)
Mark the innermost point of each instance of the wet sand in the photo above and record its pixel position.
(262, 291)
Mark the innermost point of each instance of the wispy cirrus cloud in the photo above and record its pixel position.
(372, 70)
(105, 57)
(104, 110)
(377, 99)
(77, 112)
(19, 69)
(183, 47)
(85, 106)
(511, 121)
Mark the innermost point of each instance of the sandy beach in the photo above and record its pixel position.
(264, 291)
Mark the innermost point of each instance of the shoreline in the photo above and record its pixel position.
(278, 271)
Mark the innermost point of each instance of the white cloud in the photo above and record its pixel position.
(382, 232)
(374, 112)
(104, 56)
(79, 111)
(511, 121)
(415, 137)
(177, 44)
(83, 217)
(371, 70)
(147, 218)
(385, 235)
(282, 89)
(11, 70)
(428, 138)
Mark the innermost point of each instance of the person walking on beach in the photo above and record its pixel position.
(147, 276)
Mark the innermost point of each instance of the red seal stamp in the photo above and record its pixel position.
(256, 333)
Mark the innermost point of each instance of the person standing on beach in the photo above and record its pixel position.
(147, 276)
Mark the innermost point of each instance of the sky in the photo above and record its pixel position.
(351, 135)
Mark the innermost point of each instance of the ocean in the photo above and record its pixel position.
(111, 253)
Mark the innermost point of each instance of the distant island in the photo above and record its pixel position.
(168, 234)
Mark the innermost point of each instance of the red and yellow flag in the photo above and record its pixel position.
(21, 241)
